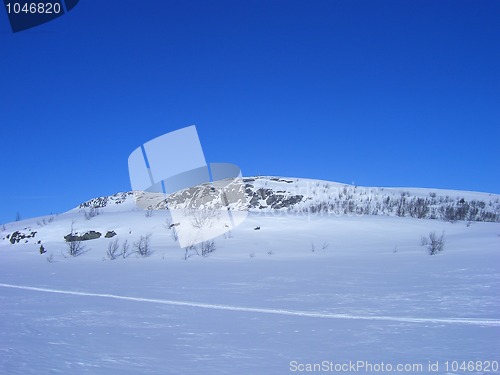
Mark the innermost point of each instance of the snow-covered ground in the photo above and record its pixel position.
(305, 292)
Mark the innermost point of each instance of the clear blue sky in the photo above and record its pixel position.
(382, 93)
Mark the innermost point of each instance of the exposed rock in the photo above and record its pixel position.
(90, 235)
(110, 234)
(18, 236)
(274, 199)
(265, 193)
(101, 202)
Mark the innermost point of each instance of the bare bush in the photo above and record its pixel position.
(142, 247)
(148, 213)
(203, 218)
(125, 249)
(113, 247)
(189, 251)
(174, 234)
(50, 258)
(75, 248)
(93, 212)
(323, 247)
(207, 247)
(434, 243)
(171, 227)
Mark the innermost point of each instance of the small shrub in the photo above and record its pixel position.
(142, 247)
(112, 252)
(174, 234)
(125, 249)
(323, 247)
(93, 212)
(207, 247)
(203, 218)
(434, 243)
(189, 251)
(75, 248)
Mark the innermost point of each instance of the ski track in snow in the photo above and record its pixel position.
(310, 314)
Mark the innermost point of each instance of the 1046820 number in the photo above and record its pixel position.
(34, 8)
(471, 366)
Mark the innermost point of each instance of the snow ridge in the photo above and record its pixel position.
(305, 196)
(309, 314)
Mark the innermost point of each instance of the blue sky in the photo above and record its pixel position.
(380, 93)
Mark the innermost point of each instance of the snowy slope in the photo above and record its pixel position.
(314, 196)
(306, 289)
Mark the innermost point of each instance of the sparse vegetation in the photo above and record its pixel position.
(171, 227)
(174, 234)
(75, 248)
(143, 246)
(323, 247)
(355, 201)
(207, 247)
(92, 212)
(203, 218)
(113, 247)
(189, 251)
(433, 243)
(125, 249)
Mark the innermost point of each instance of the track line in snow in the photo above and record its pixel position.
(310, 314)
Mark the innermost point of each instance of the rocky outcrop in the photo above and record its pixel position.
(101, 202)
(263, 193)
(90, 235)
(110, 234)
(18, 236)
(262, 198)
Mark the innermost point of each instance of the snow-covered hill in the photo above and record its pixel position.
(334, 274)
(265, 195)
(295, 195)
